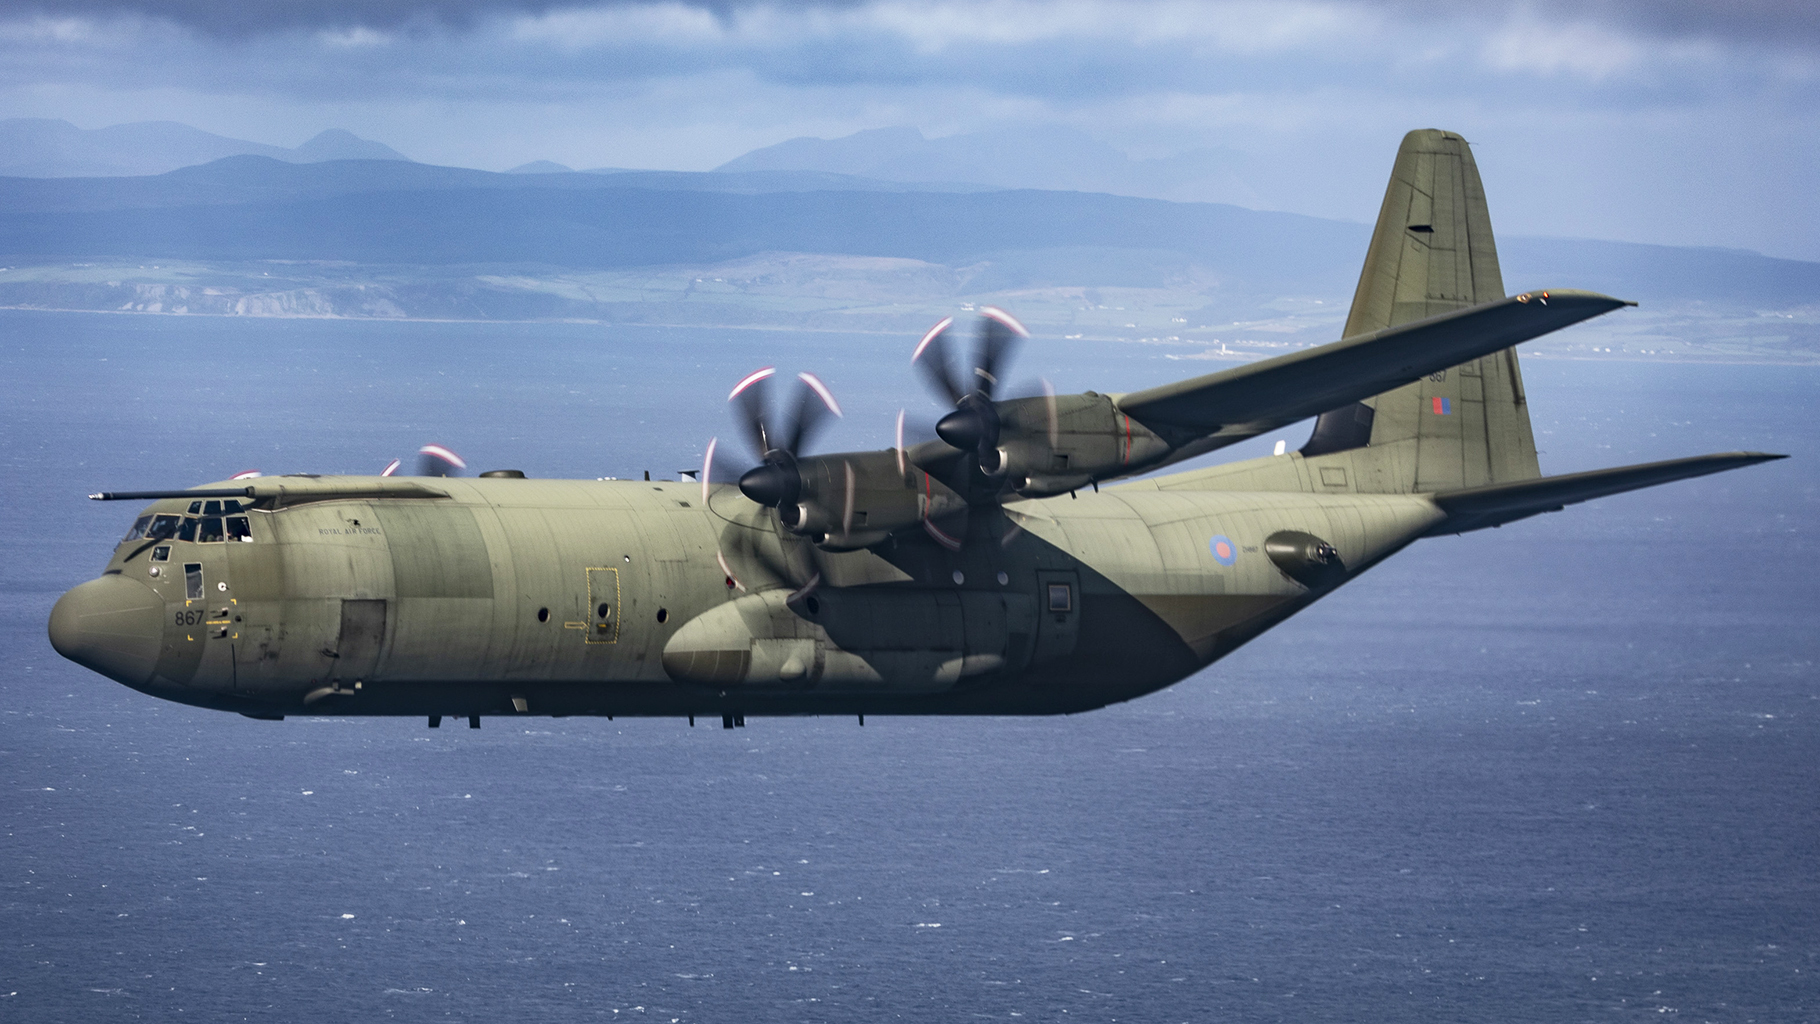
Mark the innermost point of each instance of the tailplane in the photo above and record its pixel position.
(1460, 434)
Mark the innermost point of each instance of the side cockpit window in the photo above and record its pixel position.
(163, 527)
(140, 525)
(238, 528)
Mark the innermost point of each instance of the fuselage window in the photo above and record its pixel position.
(187, 531)
(238, 528)
(138, 530)
(161, 553)
(1061, 597)
(162, 528)
(209, 530)
(192, 580)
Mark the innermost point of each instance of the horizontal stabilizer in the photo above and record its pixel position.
(1475, 508)
(1277, 391)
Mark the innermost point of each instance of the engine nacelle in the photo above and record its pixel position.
(1051, 447)
(856, 500)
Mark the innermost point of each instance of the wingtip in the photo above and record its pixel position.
(1546, 295)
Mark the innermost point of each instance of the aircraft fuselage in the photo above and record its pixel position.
(563, 597)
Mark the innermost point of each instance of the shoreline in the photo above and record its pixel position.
(580, 322)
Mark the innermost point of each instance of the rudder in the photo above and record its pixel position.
(1432, 251)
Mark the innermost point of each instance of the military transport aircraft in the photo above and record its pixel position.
(984, 572)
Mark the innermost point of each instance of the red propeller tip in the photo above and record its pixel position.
(1005, 318)
(444, 454)
(750, 379)
(821, 390)
(934, 333)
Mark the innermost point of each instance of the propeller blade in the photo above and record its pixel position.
(722, 558)
(901, 470)
(748, 398)
(246, 474)
(1055, 426)
(999, 334)
(949, 531)
(846, 518)
(391, 467)
(813, 406)
(931, 356)
(807, 589)
(435, 460)
(707, 472)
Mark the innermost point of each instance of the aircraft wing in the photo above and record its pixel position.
(1250, 399)
(1475, 508)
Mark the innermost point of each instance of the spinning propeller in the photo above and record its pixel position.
(432, 460)
(974, 425)
(778, 481)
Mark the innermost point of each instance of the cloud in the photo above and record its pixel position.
(1303, 92)
(993, 21)
(229, 18)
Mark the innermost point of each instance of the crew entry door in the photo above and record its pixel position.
(603, 606)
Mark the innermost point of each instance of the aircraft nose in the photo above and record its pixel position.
(112, 625)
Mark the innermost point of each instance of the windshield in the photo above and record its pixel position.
(138, 529)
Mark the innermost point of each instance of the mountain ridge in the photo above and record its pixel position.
(35, 147)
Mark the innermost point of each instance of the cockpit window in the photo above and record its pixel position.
(187, 531)
(162, 528)
(211, 508)
(231, 506)
(195, 508)
(208, 530)
(238, 528)
(138, 529)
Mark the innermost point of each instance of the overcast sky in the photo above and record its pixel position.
(1678, 122)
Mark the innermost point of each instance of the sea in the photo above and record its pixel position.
(1560, 771)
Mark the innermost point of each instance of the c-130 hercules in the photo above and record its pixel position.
(968, 575)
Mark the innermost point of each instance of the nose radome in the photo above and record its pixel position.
(112, 625)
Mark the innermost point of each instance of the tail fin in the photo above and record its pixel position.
(1432, 252)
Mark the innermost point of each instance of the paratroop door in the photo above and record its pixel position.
(362, 632)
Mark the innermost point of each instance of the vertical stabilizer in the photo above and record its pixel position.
(1432, 252)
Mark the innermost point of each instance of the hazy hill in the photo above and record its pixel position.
(42, 148)
(1036, 156)
(400, 213)
(246, 179)
(804, 250)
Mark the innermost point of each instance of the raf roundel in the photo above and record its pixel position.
(1224, 551)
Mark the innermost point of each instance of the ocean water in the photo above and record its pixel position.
(1561, 771)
